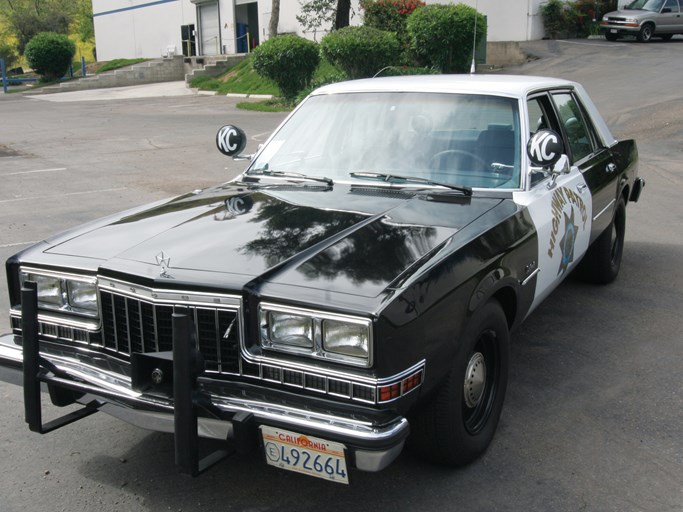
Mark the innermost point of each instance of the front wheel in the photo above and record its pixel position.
(457, 424)
(646, 32)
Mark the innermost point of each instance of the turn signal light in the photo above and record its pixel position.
(392, 391)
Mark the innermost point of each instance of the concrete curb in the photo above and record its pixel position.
(255, 96)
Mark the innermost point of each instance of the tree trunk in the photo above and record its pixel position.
(341, 19)
(274, 18)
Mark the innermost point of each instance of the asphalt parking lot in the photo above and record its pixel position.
(593, 419)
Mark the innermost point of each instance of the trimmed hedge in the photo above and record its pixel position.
(50, 54)
(442, 36)
(289, 61)
(361, 51)
(390, 15)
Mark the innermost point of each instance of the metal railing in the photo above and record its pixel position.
(10, 80)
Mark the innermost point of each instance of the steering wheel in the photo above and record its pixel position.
(475, 158)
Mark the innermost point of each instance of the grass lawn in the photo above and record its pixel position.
(242, 79)
(118, 63)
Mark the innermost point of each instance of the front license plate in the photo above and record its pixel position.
(308, 455)
(613, 30)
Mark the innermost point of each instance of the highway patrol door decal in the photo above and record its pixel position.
(562, 217)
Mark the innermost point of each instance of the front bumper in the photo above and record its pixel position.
(620, 29)
(373, 438)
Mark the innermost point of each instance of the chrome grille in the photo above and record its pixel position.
(131, 325)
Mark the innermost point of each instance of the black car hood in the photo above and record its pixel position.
(289, 235)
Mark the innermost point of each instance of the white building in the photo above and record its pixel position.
(152, 28)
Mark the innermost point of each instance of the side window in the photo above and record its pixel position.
(574, 126)
(541, 116)
(672, 4)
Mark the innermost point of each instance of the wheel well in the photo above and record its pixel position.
(508, 301)
(651, 23)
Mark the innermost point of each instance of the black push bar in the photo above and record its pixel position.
(188, 398)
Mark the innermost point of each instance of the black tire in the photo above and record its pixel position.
(601, 263)
(666, 37)
(455, 427)
(646, 33)
(611, 37)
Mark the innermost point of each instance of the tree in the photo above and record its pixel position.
(341, 17)
(317, 14)
(83, 21)
(27, 18)
(274, 18)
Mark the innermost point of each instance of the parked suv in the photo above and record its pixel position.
(644, 19)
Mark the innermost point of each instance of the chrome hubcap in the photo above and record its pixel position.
(475, 379)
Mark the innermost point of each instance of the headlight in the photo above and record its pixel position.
(49, 290)
(64, 292)
(316, 334)
(350, 339)
(82, 296)
(287, 329)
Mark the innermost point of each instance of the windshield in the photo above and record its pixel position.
(455, 139)
(646, 5)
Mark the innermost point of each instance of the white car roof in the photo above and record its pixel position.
(513, 86)
(507, 85)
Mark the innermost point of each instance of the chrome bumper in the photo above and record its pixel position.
(374, 447)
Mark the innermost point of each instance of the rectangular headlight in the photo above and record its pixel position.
(289, 329)
(345, 338)
(49, 291)
(67, 293)
(82, 296)
(317, 334)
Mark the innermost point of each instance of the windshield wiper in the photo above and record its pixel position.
(293, 175)
(409, 179)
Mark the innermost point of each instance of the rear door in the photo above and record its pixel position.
(588, 154)
(560, 210)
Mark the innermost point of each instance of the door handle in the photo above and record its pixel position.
(581, 187)
(611, 167)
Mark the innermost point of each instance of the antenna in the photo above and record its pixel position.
(473, 67)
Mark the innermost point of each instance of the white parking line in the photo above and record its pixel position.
(3, 246)
(62, 195)
(32, 172)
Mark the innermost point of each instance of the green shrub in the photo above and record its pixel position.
(390, 15)
(555, 17)
(289, 61)
(578, 18)
(408, 71)
(361, 51)
(49, 54)
(442, 36)
(330, 78)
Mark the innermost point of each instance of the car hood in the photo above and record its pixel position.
(291, 235)
(628, 13)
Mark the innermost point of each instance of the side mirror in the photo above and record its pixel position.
(545, 148)
(231, 140)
